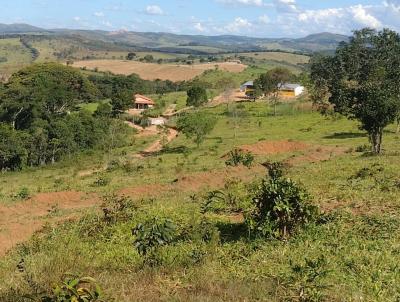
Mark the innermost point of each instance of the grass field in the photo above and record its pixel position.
(16, 55)
(278, 56)
(352, 255)
(150, 71)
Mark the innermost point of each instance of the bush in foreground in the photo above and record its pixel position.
(280, 207)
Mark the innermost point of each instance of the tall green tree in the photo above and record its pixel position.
(196, 125)
(43, 91)
(121, 100)
(362, 80)
(270, 83)
(196, 96)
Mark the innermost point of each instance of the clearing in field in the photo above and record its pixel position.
(149, 71)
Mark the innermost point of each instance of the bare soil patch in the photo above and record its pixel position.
(18, 222)
(150, 71)
(274, 147)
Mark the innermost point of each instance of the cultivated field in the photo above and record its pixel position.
(150, 71)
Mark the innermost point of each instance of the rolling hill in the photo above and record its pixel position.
(190, 44)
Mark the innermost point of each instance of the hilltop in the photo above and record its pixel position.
(200, 44)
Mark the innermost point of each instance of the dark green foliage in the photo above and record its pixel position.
(109, 85)
(42, 91)
(280, 207)
(196, 125)
(13, 154)
(148, 58)
(121, 101)
(362, 80)
(196, 96)
(131, 56)
(152, 234)
(103, 110)
(237, 157)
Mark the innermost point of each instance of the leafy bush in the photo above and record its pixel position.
(280, 207)
(152, 234)
(237, 157)
(23, 194)
(306, 281)
(72, 289)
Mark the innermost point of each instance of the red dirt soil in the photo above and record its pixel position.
(18, 222)
(274, 147)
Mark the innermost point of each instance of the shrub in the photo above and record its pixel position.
(101, 182)
(118, 208)
(280, 207)
(237, 157)
(72, 289)
(152, 234)
(23, 194)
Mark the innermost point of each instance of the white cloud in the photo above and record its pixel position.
(77, 19)
(199, 27)
(99, 14)
(238, 25)
(243, 2)
(362, 17)
(286, 6)
(264, 19)
(154, 10)
(107, 24)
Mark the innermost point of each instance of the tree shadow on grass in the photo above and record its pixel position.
(173, 150)
(345, 135)
(232, 232)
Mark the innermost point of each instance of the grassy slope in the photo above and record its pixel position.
(17, 56)
(359, 245)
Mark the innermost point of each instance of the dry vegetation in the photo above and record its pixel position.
(150, 71)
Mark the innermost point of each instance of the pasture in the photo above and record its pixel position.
(351, 255)
(150, 71)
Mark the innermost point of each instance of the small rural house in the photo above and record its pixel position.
(157, 121)
(143, 103)
(291, 90)
(248, 88)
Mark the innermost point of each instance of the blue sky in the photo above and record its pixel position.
(259, 18)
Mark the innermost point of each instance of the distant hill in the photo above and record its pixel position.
(190, 44)
(19, 28)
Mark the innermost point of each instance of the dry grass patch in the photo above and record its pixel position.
(150, 71)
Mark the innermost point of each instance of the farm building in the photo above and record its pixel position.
(248, 88)
(143, 103)
(291, 90)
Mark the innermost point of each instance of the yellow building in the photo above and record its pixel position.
(291, 90)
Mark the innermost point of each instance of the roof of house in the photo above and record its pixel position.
(289, 86)
(141, 99)
(249, 83)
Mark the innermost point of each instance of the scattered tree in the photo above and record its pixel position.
(270, 83)
(196, 96)
(362, 80)
(196, 125)
(130, 56)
